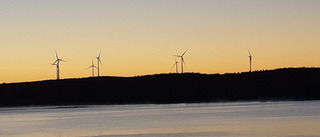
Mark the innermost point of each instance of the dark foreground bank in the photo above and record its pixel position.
(279, 84)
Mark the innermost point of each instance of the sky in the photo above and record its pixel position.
(140, 37)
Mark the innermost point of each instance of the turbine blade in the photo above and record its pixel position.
(55, 62)
(99, 54)
(174, 65)
(52, 64)
(249, 53)
(57, 55)
(100, 62)
(58, 62)
(184, 52)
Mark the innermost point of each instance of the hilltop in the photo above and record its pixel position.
(278, 84)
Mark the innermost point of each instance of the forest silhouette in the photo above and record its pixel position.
(269, 85)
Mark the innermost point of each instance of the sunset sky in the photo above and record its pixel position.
(139, 37)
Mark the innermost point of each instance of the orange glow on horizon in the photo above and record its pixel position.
(139, 38)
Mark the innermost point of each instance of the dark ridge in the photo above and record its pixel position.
(267, 85)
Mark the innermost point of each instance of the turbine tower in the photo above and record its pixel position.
(250, 60)
(175, 64)
(99, 63)
(92, 67)
(57, 63)
(182, 59)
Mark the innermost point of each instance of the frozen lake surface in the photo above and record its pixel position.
(245, 119)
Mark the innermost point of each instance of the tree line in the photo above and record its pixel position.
(267, 85)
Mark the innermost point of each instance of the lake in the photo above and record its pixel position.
(240, 119)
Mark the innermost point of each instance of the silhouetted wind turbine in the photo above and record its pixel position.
(250, 60)
(92, 67)
(99, 63)
(57, 63)
(182, 60)
(175, 64)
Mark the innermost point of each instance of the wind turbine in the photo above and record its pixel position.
(57, 63)
(250, 60)
(182, 60)
(175, 64)
(99, 62)
(92, 67)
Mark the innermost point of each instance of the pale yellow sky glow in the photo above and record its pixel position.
(139, 37)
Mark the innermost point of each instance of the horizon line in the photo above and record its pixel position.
(4, 83)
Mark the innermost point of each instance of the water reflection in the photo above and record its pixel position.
(281, 119)
(195, 134)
